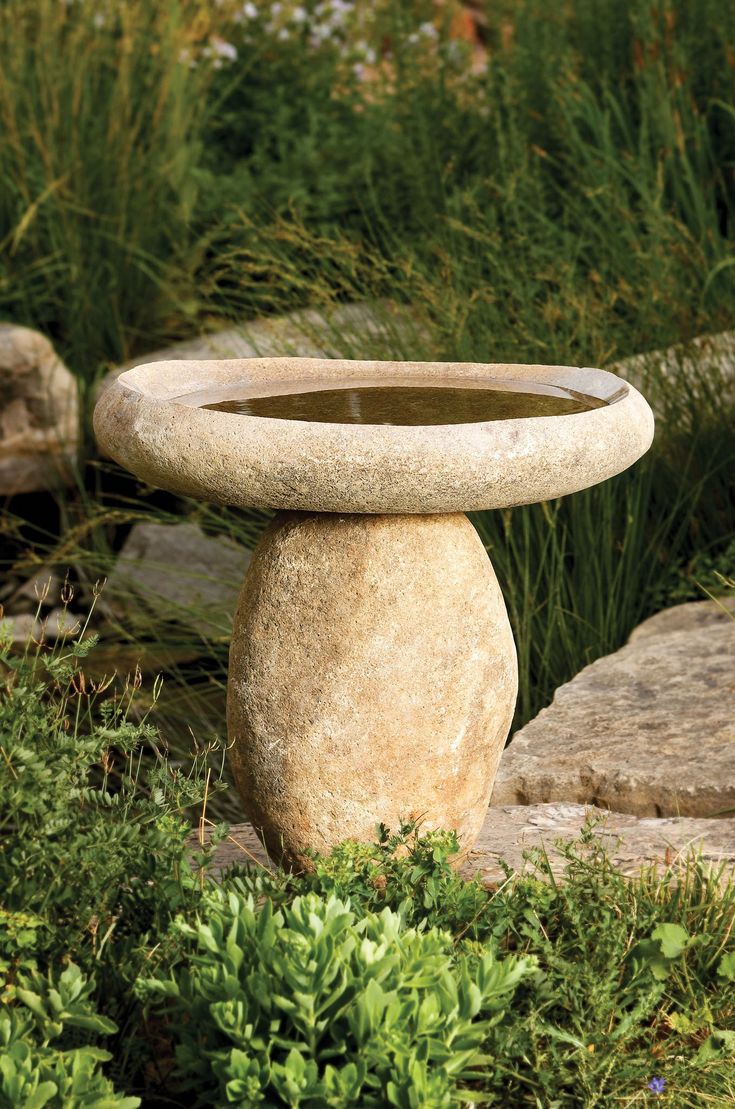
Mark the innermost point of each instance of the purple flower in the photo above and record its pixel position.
(657, 1085)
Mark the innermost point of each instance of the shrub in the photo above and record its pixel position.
(320, 1004)
(93, 829)
(38, 1065)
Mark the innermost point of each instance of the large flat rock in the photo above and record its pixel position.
(176, 573)
(649, 730)
(511, 831)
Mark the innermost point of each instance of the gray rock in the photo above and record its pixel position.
(26, 627)
(694, 616)
(44, 589)
(342, 331)
(706, 363)
(177, 573)
(39, 414)
(649, 730)
(511, 831)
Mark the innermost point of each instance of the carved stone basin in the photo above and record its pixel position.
(372, 668)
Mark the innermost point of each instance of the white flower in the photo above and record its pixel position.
(319, 35)
(428, 30)
(250, 10)
(299, 15)
(225, 50)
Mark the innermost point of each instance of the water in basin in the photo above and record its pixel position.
(442, 401)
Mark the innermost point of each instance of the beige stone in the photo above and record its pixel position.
(649, 730)
(148, 420)
(511, 831)
(372, 678)
(39, 413)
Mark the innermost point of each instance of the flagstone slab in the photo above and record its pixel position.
(511, 831)
(649, 730)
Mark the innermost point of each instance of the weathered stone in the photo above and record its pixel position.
(509, 832)
(39, 413)
(25, 627)
(178, 574)
(649, 730)
(372, 669)
(43, 588)
(336, 332)
(694, 616)
(372, 678)
(151, 421)
(657, 372)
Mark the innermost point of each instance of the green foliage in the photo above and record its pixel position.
(705, 574)
(381, 978)
(322, 1004)
(39, 1066)
(667, 943)
(632, 974)
(573, 200)
(73, 783)
(100, 119)
(410, 872)
(93, 833)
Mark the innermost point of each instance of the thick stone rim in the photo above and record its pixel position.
(252, 461)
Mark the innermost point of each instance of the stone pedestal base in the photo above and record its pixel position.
(372, 679)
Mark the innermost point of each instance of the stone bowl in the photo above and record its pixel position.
(150, 422)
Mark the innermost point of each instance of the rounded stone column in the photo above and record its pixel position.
(373, 678)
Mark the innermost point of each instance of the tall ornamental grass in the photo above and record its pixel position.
(101, 117)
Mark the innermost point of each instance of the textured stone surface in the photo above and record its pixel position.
(178, 573)
(372, 678)
(335, 332)
(59, 623)
(711, 357)
(39, 413)
(141, 420)
(694, 617)
(649, 730)
(511, 830)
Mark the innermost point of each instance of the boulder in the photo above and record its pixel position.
(649, 730)
(342, 331)
(39, 416)
(509, 832)
(706, 362)
(58, 624)
(366, 681)
(176, 573)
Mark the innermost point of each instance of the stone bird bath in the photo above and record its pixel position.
(372, 668)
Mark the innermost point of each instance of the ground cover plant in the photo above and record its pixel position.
(129, 976)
